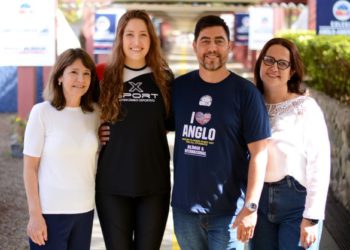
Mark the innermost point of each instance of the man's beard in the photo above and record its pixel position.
(212, 64)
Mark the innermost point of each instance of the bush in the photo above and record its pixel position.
(18, 129)
(17, 136)
(327, 62)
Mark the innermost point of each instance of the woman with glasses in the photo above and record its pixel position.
(292, 204)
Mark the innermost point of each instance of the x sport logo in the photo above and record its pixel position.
(135, 86)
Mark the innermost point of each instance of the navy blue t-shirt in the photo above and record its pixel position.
(214, 122)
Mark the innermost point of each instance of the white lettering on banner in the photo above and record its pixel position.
(337, 24)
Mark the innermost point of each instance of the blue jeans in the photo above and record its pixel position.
(202, 232)
(280, 214)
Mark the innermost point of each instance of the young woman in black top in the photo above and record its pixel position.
(133, 176)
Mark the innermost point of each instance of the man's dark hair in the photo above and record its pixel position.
(210, 21)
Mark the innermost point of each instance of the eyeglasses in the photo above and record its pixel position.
(281, 64)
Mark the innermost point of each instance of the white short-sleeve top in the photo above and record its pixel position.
(67, 143)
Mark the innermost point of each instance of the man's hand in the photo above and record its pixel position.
(37, 230)
(245, 223)
(104, 133)
(308, 233)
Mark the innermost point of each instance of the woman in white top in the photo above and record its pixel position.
(60, 152)
(292, 204)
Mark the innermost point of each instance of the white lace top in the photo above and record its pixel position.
(299, 147)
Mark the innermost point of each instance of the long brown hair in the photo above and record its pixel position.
(53, 92)
(112, 86)
(295, 83)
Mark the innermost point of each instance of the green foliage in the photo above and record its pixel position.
(327, 62)
(18, 129)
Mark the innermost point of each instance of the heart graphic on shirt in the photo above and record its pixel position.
(201, 118)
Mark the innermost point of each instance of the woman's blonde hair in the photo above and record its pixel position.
(112, 85)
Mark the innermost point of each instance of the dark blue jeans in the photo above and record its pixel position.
(280, 213)
(202, 232)
(67, 232)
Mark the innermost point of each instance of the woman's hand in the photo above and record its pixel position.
(308, 233)
(37, 230)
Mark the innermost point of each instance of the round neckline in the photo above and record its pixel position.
(72, 108)
(135, 69)
(201, 81)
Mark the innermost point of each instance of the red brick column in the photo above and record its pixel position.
(26, 90)
(312, 14)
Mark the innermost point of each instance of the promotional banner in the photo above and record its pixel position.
(65, 36)
(105, 27)
(27, 31)
(260, 27)
(241, 28)
(333, 18)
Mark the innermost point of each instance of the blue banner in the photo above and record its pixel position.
(241, 28)
(333, 17)
(105, 27)
(8, 89)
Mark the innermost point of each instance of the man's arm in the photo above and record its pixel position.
(104, 133)
(246, 219)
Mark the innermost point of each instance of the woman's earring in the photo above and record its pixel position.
(59, 83)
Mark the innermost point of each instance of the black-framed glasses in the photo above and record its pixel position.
(281, 64)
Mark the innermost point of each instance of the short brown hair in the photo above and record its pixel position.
(54, 92)
(296, 64)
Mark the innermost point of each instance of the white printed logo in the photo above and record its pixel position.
(136, 94)
(135, 86)
(205, 100)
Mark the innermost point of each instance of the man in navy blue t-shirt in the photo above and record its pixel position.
(220, 151)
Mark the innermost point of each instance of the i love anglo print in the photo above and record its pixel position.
(197, 134)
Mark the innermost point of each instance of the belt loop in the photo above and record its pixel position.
(289, 181)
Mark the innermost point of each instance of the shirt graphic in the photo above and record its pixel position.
(198, 134)
(136, 94)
